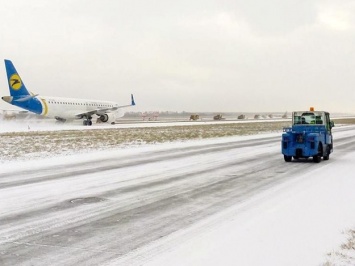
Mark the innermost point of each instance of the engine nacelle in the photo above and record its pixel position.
(107, 118)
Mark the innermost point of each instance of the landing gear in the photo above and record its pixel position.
(87, 121)
(60, 119)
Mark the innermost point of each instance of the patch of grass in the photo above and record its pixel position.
(344, 121)
(346, 255)
(16, 145)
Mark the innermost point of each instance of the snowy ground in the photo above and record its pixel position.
(309, 220)
(228, 201)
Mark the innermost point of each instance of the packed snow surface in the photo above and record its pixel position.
(218, 201)
(300, 222)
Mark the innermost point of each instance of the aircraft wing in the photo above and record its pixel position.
(101, 111)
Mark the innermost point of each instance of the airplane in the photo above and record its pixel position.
(61, 109)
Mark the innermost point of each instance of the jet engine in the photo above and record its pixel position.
(107, 118)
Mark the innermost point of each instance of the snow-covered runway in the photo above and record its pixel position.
(148, 204)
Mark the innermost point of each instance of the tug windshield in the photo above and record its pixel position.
(308, 118)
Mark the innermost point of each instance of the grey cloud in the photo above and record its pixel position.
(184, 55)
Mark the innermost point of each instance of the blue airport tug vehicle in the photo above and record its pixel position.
(309, 136)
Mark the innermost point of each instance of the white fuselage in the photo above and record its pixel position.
(71, 108)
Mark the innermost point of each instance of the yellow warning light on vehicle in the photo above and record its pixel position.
(311, 109)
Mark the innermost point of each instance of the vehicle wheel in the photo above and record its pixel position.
(326, 157)
(287, 158)
(316, 158)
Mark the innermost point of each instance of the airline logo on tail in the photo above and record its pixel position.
(15, 82)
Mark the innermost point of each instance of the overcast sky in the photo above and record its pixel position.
(186, 55)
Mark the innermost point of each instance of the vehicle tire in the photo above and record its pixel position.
(316, 158)
(326, 157)
(287, 158)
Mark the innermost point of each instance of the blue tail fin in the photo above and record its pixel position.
(132, 100)
(16, 86)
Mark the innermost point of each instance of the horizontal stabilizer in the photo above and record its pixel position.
(23, 99)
